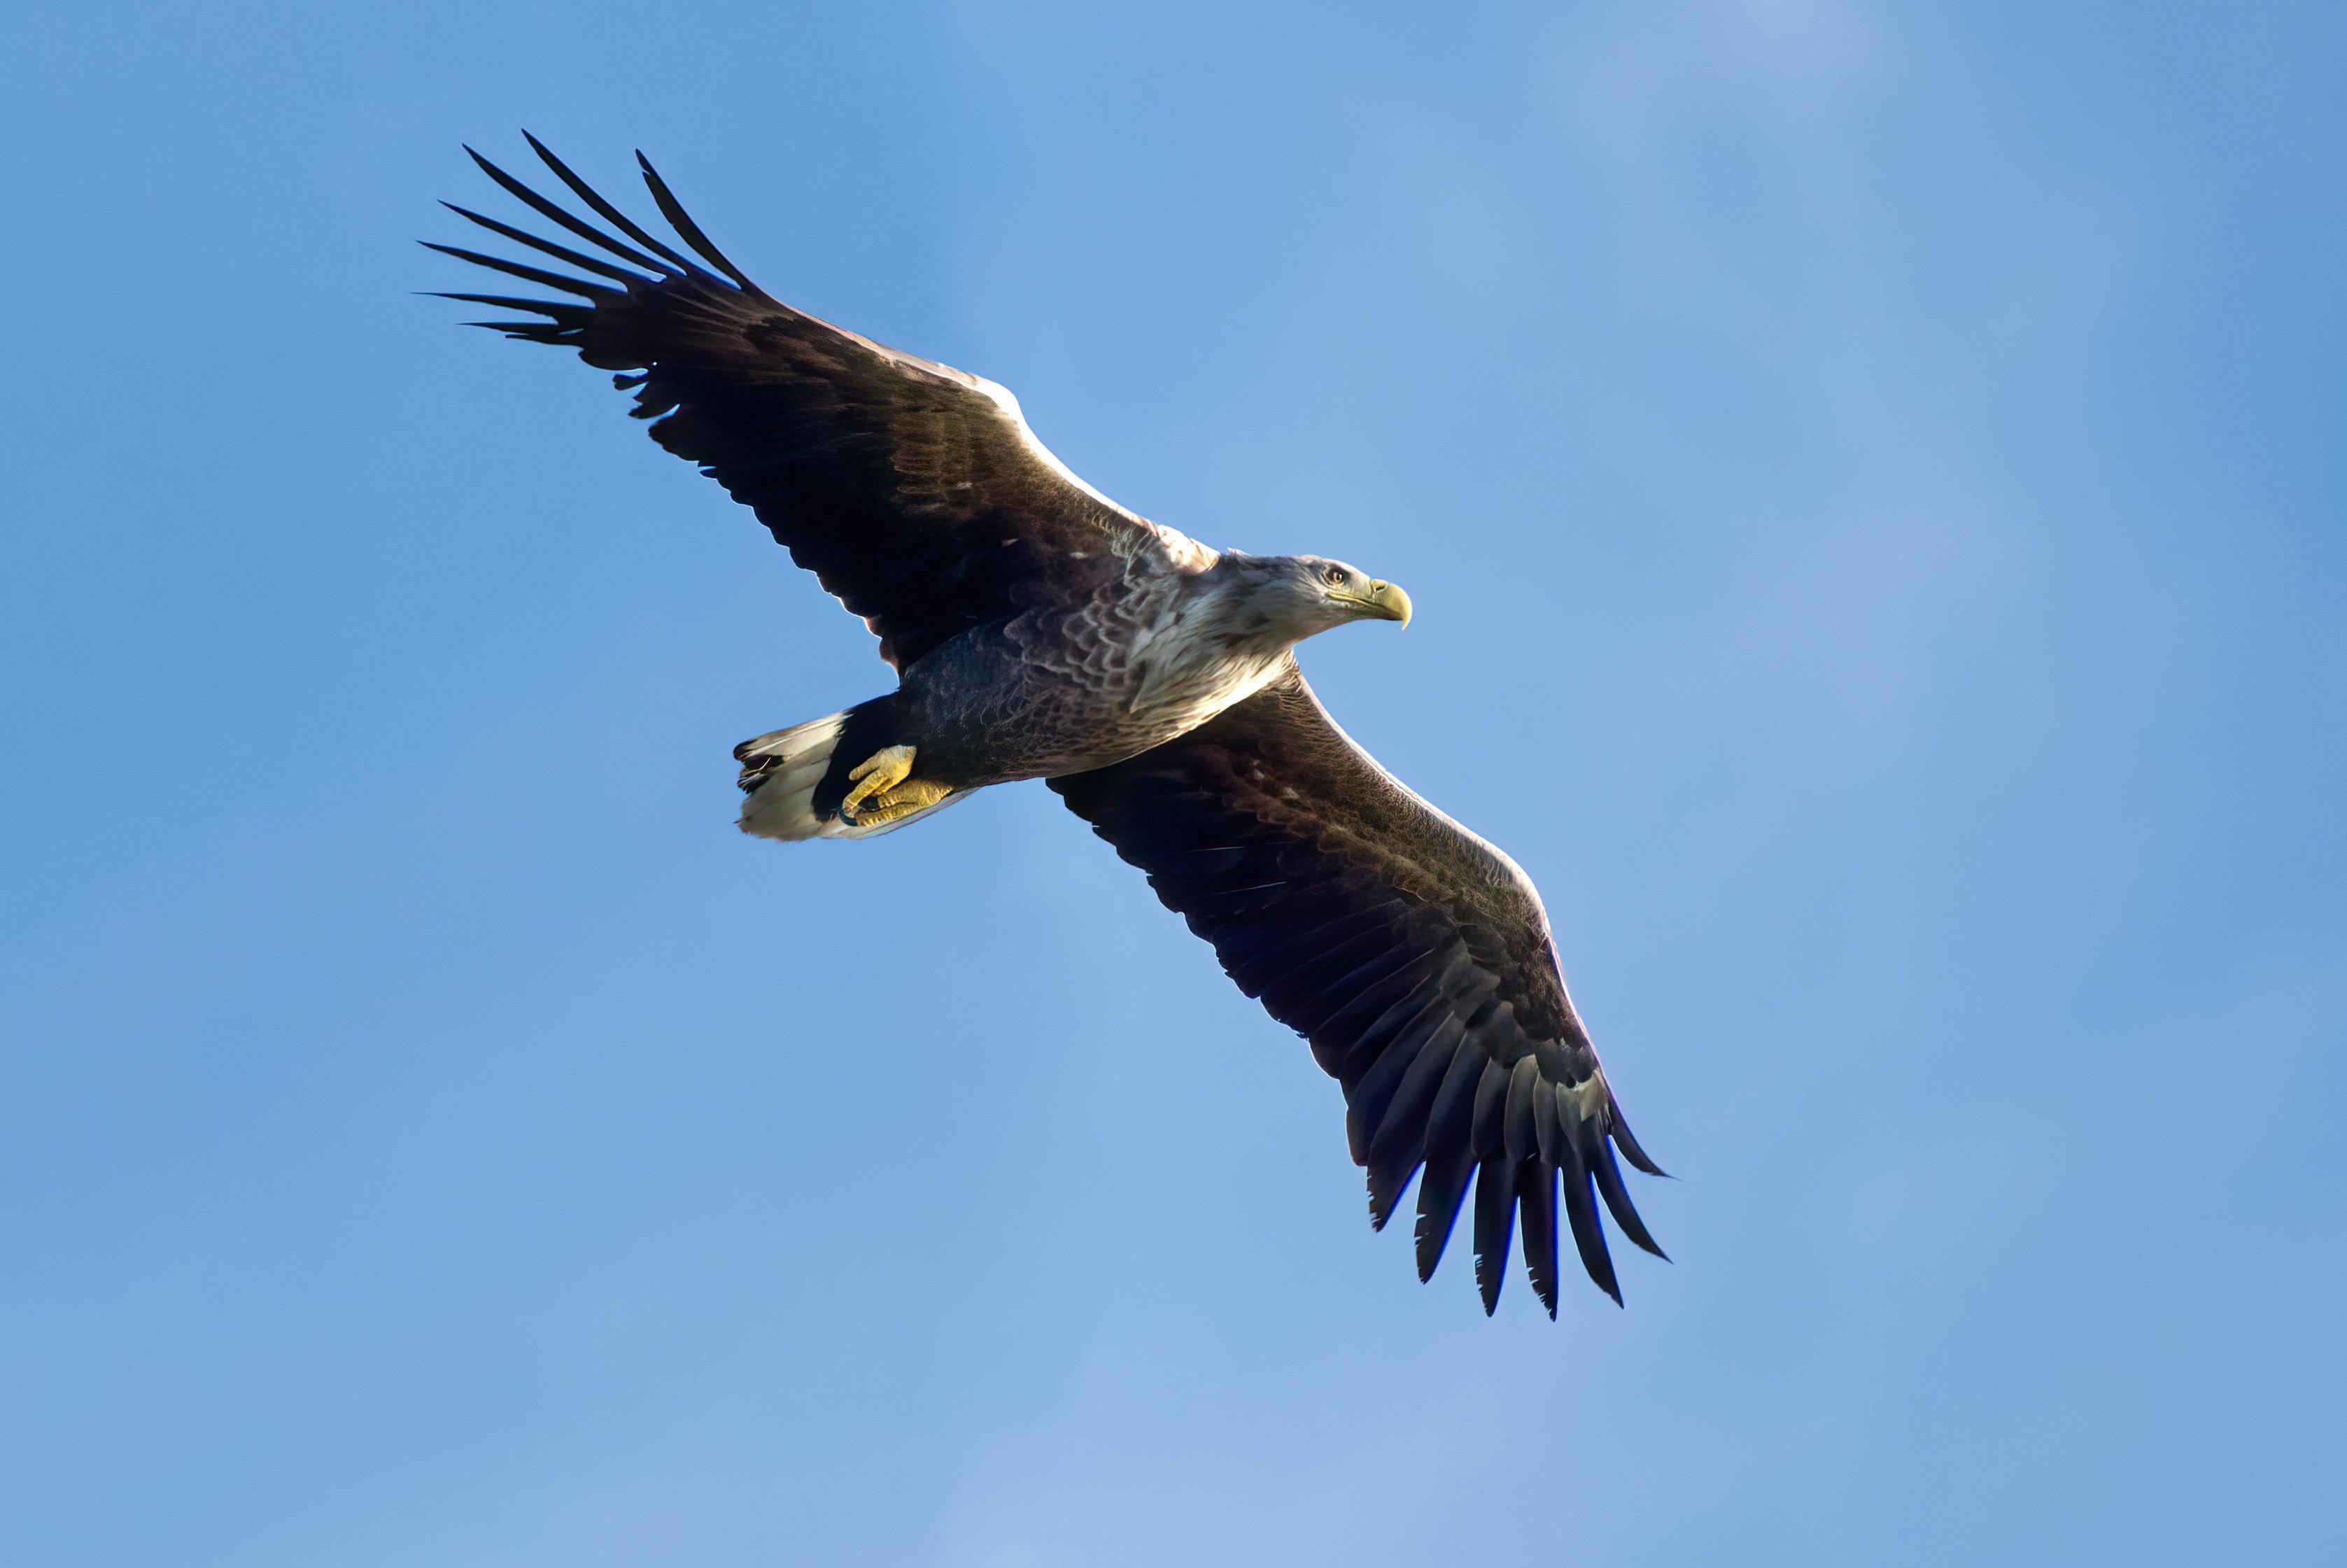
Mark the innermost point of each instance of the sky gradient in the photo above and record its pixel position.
(1871, 482)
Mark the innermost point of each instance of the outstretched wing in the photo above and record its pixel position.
(1413, 956)
(915, 492)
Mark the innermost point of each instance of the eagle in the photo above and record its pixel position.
(1039, 629)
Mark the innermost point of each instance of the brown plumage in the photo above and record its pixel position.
(1039, 629)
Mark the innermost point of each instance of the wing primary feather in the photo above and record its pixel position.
(506, 302)
(1403, 1060)
(1548, 1120)
(555, 213)
(527, 273)
(1450, 1154)
(1490, 1132)
(1495, 1221)
(548, 247)
(1522, 1134)
(1451, 1120)
(1422, 1111)
(1440, 1186)
(1620, 1130)
(1536, 1192)
(1402, 1135)
(674, 210)
(610, 214)
(1588, 1233)
(1617, 1199)
(1405, 1118)
(1388, 1179)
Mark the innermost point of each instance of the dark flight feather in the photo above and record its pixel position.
(915, 493)
(1617, 1199)
(546, 247)
(1588, 1232)
(1536, 1197)
(524, 272)
(1412, 955)
(1495, 1219)
(506, 302)
(554, 212)
(604, 209)
(1440, 1188)
(684, 225)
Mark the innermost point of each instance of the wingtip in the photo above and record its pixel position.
(1617, 1127)
(1386, 1194)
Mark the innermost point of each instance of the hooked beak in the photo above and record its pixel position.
(1384, 600)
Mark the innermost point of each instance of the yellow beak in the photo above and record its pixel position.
(1386, 600)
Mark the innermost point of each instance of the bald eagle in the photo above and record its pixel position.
(1039, 629)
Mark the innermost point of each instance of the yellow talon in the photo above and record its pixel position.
(886, 789)
(914, 794)
(881, 772)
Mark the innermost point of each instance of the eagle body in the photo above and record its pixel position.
(1038, 630)
(1126, 665)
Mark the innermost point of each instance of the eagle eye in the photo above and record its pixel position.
(1336, 577)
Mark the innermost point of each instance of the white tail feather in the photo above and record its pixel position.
(787, 766)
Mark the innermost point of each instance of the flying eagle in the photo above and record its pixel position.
(1039, 629)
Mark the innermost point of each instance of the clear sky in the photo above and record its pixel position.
(1872, 482)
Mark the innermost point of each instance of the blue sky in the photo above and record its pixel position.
(1871, 482)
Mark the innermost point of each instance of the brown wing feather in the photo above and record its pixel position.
(1414, 957)
(915, 492)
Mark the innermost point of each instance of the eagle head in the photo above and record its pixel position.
(1283, 599)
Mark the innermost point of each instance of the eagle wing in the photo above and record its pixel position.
(1413, 956)
(916, 493)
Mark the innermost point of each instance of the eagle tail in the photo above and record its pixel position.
(783, 769)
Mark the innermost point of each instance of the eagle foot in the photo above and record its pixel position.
(886, 789)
